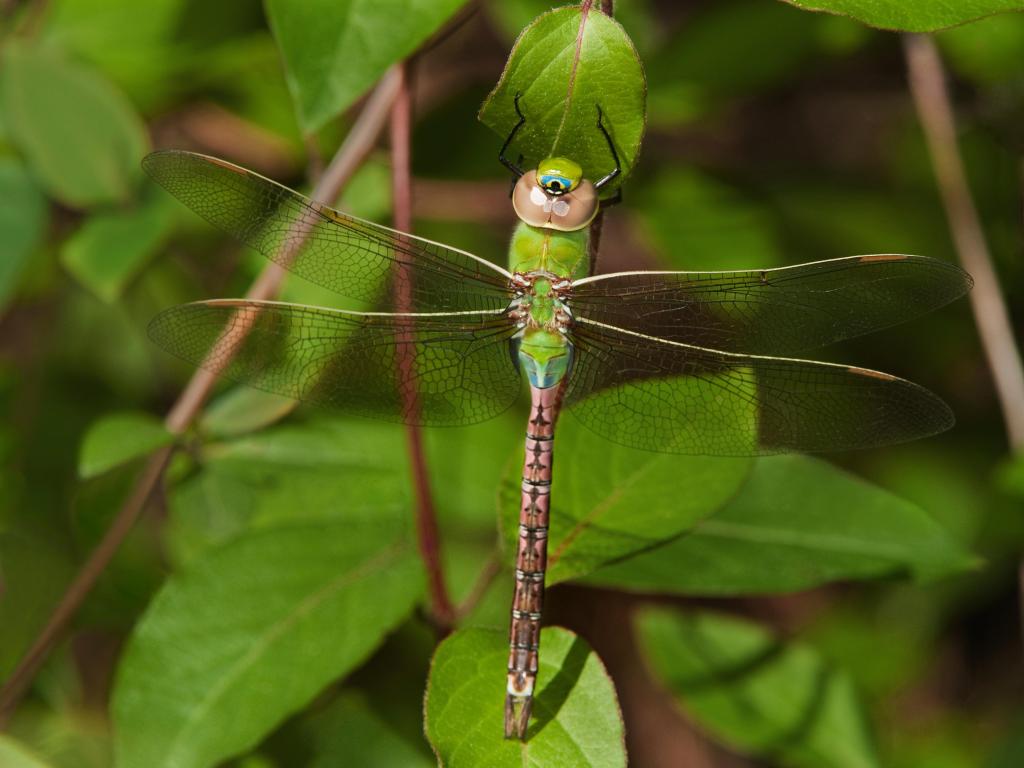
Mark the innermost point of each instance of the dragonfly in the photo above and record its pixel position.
(668, 361)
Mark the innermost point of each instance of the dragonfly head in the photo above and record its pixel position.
(558, 175)
(555, 196)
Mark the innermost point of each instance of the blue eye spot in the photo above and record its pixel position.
(554, 183)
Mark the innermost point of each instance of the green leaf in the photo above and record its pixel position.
(350, 733)
(911, 15)
(798, 522)
(757, 693)
(609, 501)
(136, 50)
(241, 410)
(23, 218)
(334, 50)
(251, 633)
(576, 718)
(111, 246)
(117, 439)
(324, 469)
(15, 755)
(78, 133)
(564, 65)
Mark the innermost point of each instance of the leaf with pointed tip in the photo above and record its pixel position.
(609, 502)
(334, 50)
(251, 632)
(757, 693)
(565, 65)
(79, 134)
(798, 522)
(576, 719)
(119, 438)
(241, 410)
(911, 15)
(109, 249)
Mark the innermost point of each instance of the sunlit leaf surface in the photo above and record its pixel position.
(251, 633)
(565, 65)
(797, 522)
(576, 717)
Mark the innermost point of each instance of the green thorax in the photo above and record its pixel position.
(547, 250)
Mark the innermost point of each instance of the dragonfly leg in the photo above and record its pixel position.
(613, 200)
(514, 167)
(531, 562)
(611, 148)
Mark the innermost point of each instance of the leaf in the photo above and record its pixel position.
(334, 50)
(251, 633)
(565, 64)
(325, 469)
(111, 246)
(241, 410)
(137, 51)
(911, 15)
(79, 134)
(15, 755)
(755, 693)
(351, 734)
(23, 218)
(798, 522)
(117, 439)
(576, 718)
(609, 501)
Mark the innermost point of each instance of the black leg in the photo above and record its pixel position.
(514, 167)
(613, 200)
(611, 148)
(515, 179)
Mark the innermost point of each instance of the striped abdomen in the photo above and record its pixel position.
(531, 561)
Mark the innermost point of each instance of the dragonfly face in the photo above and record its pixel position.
(556, 196)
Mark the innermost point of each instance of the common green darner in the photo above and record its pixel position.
(677, 362)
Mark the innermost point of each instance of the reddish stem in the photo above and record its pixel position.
(441, 608)
(358, 144)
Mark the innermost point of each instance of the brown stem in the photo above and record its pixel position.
(931, 98)
(606, 7)
(441, 608)
(358, 144)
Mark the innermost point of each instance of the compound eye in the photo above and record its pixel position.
(555, 184)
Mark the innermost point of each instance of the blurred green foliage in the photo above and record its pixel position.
(775, 136)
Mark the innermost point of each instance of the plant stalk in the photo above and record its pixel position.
(931, 98)
(441, 608)
(356, 147)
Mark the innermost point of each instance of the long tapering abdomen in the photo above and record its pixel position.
(531, 561)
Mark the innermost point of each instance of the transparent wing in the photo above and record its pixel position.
(664, 396)
(350, 256)
(457, 366)
(772, 311)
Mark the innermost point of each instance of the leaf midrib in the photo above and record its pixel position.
(304, 608)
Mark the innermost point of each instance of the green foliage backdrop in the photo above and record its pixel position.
(269, 607)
